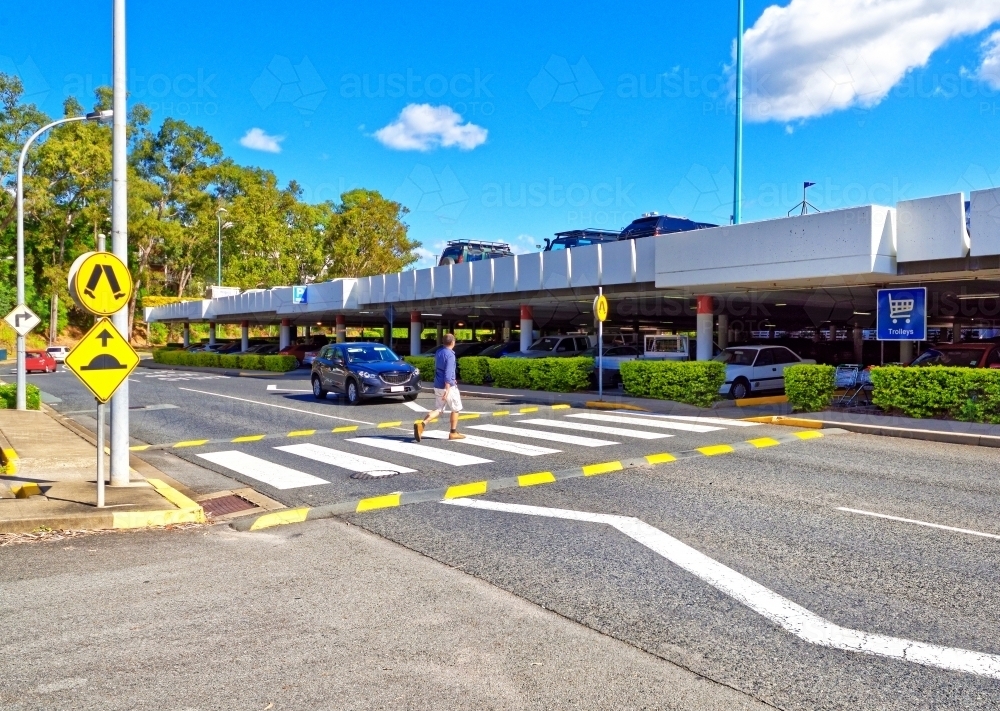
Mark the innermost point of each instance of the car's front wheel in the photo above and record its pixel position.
(410, 398)
(319, 392)
(353, 394)
(740, 389)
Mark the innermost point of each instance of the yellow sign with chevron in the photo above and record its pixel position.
(102, 360)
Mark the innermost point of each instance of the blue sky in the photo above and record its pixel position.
(529, 118)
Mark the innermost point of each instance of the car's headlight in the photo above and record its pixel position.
(366, 374)
(416, 372)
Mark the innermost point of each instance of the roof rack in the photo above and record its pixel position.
(589, 232)
(477, 243)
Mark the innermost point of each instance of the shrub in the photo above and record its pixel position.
(169, 356)
(229, 360)
(560, 375)
(251, 362)
(474, 370)
(32, 396)
(425, 364)
(809, 387)
(511, 372)
(968, 394)
(280, 363)
(205, 360)
(694, 383)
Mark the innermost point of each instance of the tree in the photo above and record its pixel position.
(367, 236)
(17, 122)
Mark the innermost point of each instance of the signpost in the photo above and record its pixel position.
(22, 320)
(100, 283)
(601, 314)
(902, 314)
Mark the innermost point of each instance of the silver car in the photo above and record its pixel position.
(58, 353)
(751, 369)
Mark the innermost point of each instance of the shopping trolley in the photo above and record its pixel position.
(900, 309)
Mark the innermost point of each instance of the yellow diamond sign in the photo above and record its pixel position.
(102, 360)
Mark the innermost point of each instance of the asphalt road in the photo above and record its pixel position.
(771, 516)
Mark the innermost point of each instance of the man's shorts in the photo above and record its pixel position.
(452, 403)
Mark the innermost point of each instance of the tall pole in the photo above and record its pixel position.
(218, 217)
(119, 239)
(738, 163)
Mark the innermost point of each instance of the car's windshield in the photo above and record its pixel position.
(737, 356)
(968, 357)
(544, 344)
(370, 354)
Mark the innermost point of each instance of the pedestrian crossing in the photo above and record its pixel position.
(585, 430)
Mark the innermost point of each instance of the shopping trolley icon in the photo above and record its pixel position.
(900, 309)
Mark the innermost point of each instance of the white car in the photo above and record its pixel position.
(750, 369)
(58, 353)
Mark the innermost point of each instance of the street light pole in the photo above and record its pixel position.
(93, 116)
(738, 167)
(218, 217)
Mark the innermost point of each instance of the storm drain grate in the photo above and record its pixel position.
(375, 474)
(228, 504)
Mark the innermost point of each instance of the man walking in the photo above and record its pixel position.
(446, 394)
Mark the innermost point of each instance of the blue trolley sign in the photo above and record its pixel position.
(902, 314)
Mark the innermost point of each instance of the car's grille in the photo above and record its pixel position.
(395, 378)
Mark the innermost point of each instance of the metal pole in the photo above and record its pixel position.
(218, 218)
(600, 353)
(738, 167)
(21, 378)
(119, 239)
(100, 454)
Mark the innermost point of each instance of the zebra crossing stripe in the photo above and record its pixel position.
(529, 450)
(707, 420)
(481, 487)
(341, 460)
(645, 422)
(262, 470)
(598, 429)
(444, 456)
(539, 434)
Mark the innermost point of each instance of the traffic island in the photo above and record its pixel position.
(54, 486)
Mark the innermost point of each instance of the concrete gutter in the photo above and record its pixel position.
(928, 435)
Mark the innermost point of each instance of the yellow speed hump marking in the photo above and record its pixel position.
(102, 360)
(101, 283)
(601, 308)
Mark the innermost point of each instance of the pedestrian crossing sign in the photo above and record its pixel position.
(102, 360)
(100, 283)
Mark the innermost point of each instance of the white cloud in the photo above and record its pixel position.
(525, 244)
(257, 139)
(813, 57)
(421, 127)
(989, 70)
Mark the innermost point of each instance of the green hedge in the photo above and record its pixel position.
(691, 382)
(273, 363)
(474, 370)
(560, 375)
(809, 387)
(511, 372)
(967, 394)
(425, 364)
(32, 396)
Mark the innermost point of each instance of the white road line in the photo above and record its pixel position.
(415, 407)
(262, 470)
(647, 422)
(540, 434)
(342, 460)
(280, 407)
(411, 449)
(919, 523)
(779, 610)
(598, 429)
(707, 420)
(530, 450)
(275, 389)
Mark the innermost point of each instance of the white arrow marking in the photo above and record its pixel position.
(781, 611)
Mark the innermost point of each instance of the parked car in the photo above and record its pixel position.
(497, 350)
(262, 349)
(580, 238)
(463, 250)
(39, 361)
(555, 347)
(361, 371)
(469, 348)
(752, 369)
(614, 356)
(58, 353)
(229, 348)
(652, 224)
(969, 355)
(298, 350)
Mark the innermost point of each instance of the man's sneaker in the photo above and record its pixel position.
(455, 435)
(418, 430)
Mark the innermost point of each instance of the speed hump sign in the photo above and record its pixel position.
(102, 359)
(100, 283)
(601, 308)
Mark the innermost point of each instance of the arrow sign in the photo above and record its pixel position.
(22, 319)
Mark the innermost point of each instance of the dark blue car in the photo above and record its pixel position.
(361, 371)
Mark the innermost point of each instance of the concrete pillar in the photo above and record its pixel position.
(704, 327)
(506, 329)
(211, 333)
(905, 351)
(956, 332)
(187, 335)
(341, 329)
(308, 330)
(285, 337)
(416, 328)
(440, 333)
(723, 337)
(859, 344)
(527, 326)
(245, 335)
